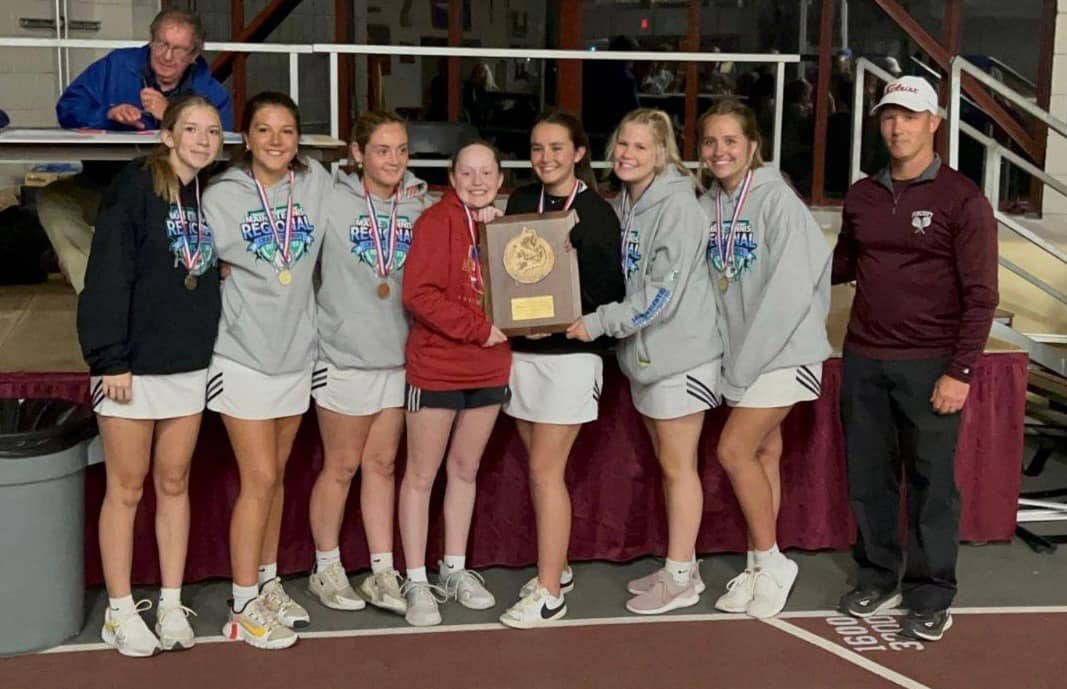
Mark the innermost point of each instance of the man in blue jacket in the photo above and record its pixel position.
(125, 90)
(128, 88)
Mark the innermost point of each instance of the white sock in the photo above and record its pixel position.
(326, 557)
(750, 559)
(455, 563)
(169, 598)
(767, 558)
(124, 604)
(418, 574)
(679, 571)
(267, 572)
(242, 595)
(554, 601)
(381, 562)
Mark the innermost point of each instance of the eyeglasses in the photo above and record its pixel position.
(178, 52)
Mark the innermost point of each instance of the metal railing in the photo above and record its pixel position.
(995, 154)
(333, 50)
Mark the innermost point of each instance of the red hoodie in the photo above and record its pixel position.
(444, 348)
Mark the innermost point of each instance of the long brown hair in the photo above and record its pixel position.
(659, 123)
(165, 181)
(749, 127)
(583, 170)
(265, 99)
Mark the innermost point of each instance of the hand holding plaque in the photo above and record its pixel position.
(531, 273)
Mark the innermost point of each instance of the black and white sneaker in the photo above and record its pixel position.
(566, 583)
(534, 610)
(864, 602)
(926, 626)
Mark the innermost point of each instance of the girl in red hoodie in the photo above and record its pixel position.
(458, 365)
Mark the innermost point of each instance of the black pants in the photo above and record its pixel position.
(890, 425)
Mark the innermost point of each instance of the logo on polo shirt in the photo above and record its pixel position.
(920, 220)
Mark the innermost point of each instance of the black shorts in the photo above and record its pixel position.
(471, 398)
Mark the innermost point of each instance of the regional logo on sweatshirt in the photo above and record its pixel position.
(261, 240)
(744, 248)
(363, 241)
(631, 253)
(179, 232)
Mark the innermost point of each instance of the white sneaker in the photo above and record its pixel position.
(466, 586)
(172, 627)
(128, 633)
(739, 591)
(257, 626)
(533, 610)
(382, 590)
(771, 589)
(645, 583)
(277, 601)
(422, 598)
(333, 589)
(566, 583)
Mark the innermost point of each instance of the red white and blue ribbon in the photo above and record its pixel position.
(280, 240)
(190, 258)
(579, 187)
(725, 242)
(384, 257)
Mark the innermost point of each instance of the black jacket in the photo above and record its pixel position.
(598, 241)
(135, 314)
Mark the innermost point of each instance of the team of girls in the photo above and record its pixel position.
(396, 336)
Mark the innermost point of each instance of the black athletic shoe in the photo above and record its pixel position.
(864, 602)
(926, 626)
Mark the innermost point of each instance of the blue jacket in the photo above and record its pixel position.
(118, 78)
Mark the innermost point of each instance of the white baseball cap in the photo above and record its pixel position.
(911, 93)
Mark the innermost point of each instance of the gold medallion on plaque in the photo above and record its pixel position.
(528, 258)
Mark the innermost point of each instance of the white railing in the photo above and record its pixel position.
(333, 50)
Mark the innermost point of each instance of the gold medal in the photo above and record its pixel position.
(285, 276)
(528, 258)
(724, 283)
(190, 282)
(383, 290)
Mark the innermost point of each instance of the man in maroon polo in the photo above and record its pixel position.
(920, 242)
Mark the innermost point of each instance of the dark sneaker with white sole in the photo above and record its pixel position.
(864, 602)
(926, 626)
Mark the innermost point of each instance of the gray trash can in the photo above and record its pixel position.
(43, 450)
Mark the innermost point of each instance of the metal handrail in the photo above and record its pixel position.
(961, 65)
(335, 49)
(779, 60)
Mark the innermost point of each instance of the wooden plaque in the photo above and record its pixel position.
(530, 272)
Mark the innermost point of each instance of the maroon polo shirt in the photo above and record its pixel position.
(924, 258)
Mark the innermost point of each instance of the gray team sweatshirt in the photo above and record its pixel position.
(357, 328)
(666, 322)
(265, 325)
(773, 314)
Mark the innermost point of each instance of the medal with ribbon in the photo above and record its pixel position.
(281, 241)
(725, 242)
(472, 266)
(189, 257)
(579, 187)
(385, 256)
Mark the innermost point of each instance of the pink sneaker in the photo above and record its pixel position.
(639, 586)
(665, 595)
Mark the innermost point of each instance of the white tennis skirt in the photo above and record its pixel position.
(679, 395)
(235, 390)
(154, 397)
(357, 392)
(555, 388)
(782, 387)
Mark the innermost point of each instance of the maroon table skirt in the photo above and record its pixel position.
(612, 475)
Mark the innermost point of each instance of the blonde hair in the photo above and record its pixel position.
(164, 180)
(749, 127)
(659, 123)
